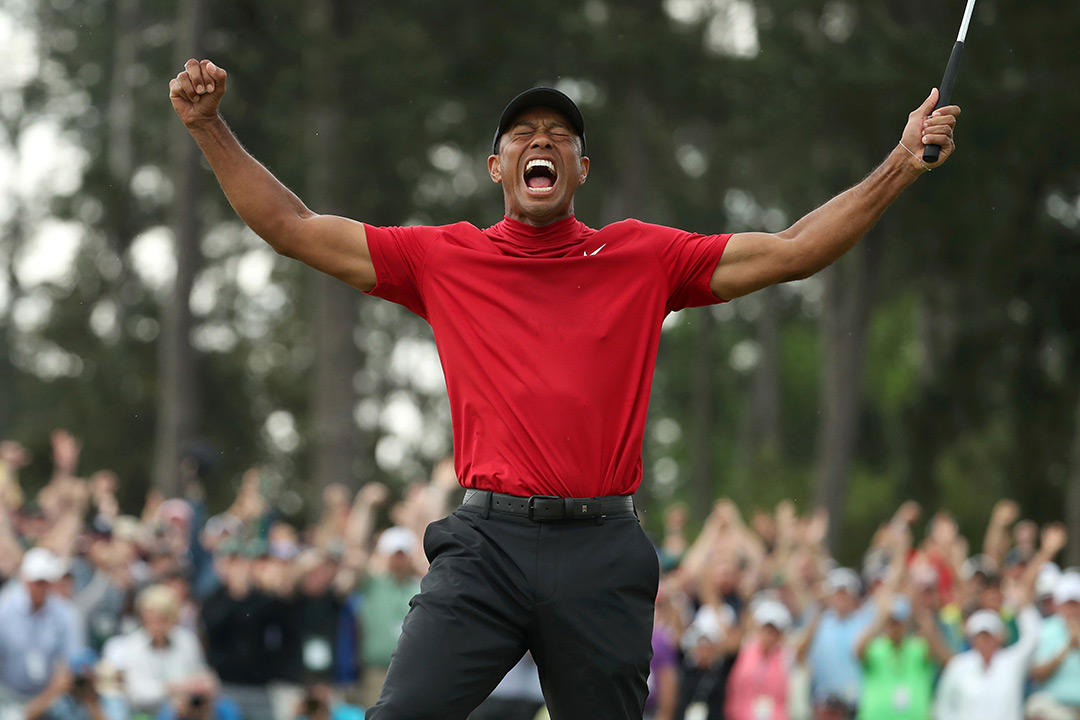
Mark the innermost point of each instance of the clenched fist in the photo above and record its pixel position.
(197, 90)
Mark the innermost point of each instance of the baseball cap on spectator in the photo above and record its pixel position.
(1047, 579)
(175, 510)
(900, 608)
(844, 579)
(875, 566)
(924, 575)
(710, 624)
(126, 527)
(221, 525)
(395, 540)
(772, 612)
(979, 565)
(1067, 589)
(283, 549)
(41, 565)
(985, 621)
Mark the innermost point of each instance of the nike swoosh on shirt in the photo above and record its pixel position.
(594, 251)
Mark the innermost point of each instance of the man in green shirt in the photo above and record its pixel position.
(900, 655)
(391, 581)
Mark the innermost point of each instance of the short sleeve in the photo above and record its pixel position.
(1051, 642)
(687, 261)
(398, 255)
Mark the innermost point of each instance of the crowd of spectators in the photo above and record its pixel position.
(175, 614)
(755, 621)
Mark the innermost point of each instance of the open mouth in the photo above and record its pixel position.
(540, 176)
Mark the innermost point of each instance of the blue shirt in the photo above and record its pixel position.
(1064, 685)
(34, 643)
(835, 670)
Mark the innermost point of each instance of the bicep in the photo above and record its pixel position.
(334, 245)
(752, 261)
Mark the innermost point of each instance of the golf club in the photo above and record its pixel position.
(930, 153)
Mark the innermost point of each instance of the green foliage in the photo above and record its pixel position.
(971, 374)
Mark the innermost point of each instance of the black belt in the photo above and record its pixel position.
(548, 507)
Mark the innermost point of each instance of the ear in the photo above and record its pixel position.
(584, 170)
(494, 170)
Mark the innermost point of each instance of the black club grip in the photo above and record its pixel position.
(931, 152)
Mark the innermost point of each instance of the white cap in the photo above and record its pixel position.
(1047, 580)
(709, 624)
(40, 564)
(1067, 589)
(978, 564)
(395, 540)
(842, 579)
(985, 621)
(772, 612)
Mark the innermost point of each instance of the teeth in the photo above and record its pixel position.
(540, 163)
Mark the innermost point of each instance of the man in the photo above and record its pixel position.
(548, 331)
(39, 632)
(387, 584)
(1056, 664)
(72, 694)
(987, 682)
(158, 656)
(900, 662)
(829, 644)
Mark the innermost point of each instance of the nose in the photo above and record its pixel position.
(541, 140)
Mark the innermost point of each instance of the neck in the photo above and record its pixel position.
(537, 219)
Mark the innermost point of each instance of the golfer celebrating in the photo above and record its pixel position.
(548, 331)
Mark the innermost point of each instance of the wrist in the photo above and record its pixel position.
(208, 124)
(909, 161)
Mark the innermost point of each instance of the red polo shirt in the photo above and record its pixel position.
(548, 340)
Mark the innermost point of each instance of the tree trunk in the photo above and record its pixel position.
(761, 432)
(1072, 501)
(844, 321)
(337, 359)
(702, 414)
(178, 406)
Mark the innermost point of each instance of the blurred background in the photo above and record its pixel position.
(936, 362)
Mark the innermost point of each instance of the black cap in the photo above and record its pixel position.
(540, 97)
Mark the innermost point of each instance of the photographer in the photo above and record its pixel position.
(319, 703)
(197, 698)
(70, 695)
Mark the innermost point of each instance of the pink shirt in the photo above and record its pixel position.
(758, 684)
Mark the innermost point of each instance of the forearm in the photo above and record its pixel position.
(996, 541)
(939, 649)
(259, 198)
(821, 237)
(1042, 673)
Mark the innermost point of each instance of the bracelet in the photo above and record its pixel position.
(926, 167)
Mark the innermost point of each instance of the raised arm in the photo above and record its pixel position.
(752, 261)
(334, 245)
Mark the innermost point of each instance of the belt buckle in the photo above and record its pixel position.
(582, 507)
(532, 506)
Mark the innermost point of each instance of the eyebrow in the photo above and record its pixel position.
(532, 125)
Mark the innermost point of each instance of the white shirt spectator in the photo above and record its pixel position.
(150, 671)
(970, 689)
(38, 628)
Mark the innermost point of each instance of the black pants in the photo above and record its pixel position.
(578, 594)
